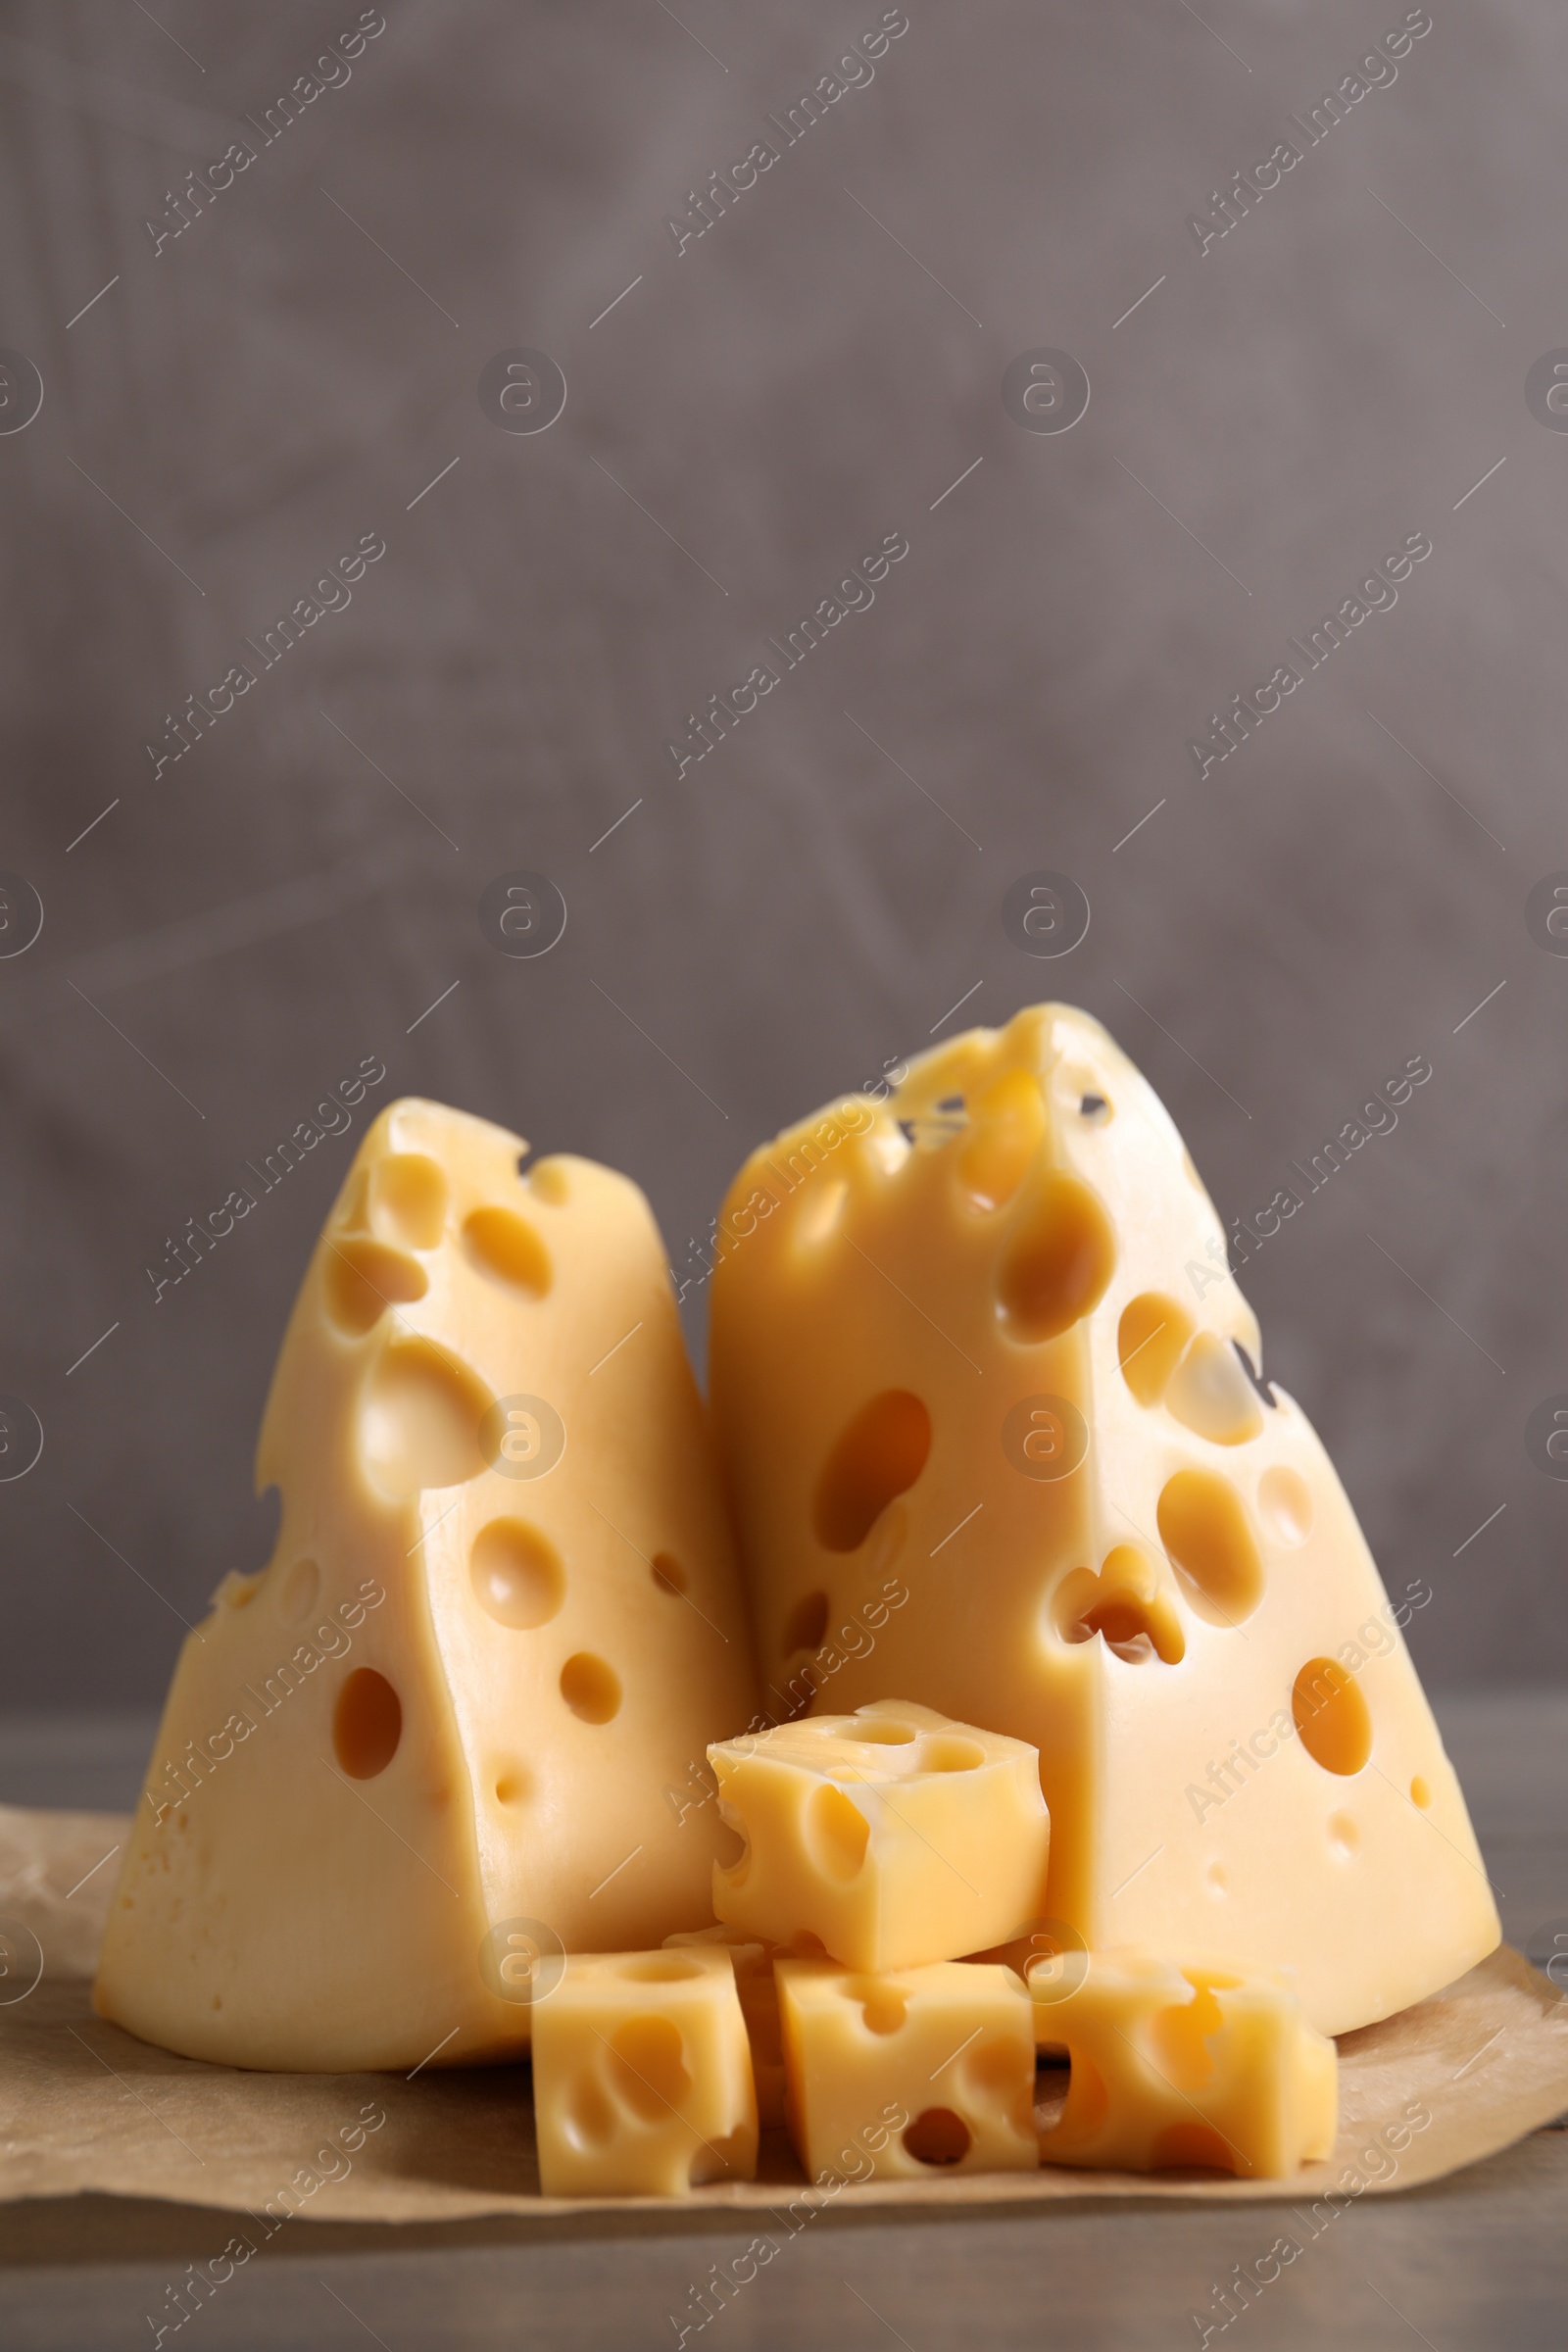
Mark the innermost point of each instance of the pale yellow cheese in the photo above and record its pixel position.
(893, 1836)
(642, 2076)
(753, 1958)
(425, 1751)
(892, 2077)
(1186, 2066)
(980, 1336)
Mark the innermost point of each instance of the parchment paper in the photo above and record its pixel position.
(84, 2106)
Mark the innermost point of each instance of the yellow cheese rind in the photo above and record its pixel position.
(1188, 2066)
(430, 1743)
(1108, 1545)
(893, 1836)
(752, 1959)
(895, 2076)
(642, 2076)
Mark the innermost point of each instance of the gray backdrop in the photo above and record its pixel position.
(1282, 409)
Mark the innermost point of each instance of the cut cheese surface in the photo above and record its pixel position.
(893, 1836)
(642, 2076)
(421, 1753)
(983, 1335)
(897, 2075)
(1174, 2067)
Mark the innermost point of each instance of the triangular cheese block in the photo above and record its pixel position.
(459, 1723)
(975, 1348)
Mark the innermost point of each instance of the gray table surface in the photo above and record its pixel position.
(1480, 2260)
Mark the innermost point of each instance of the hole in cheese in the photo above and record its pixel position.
(367, 1724)
(732, 1850)
(1331, 1716)
(647, 2067)
(1210, 1392)
(658, 1968)
(419, 1420)
(1284, 1504)
(1261, 1389)
(510, 1785)
(506, 1247)
(516, 1574)
(1125, 1607)
(945, 1754)
(1344, 1836)
(1420, 1792)
(548, 1183)
(1150, 1339)
(301, 1590)
(1078, 1085)
(1179, 2035)
(669, 1574)
(590, 1687)
(837, 1831)
(361, 1279)
(1203, 1529)
(999, 1151)
(879, 1731)
(409, 1199)
(938, 2137)
(1052, 2074)
(991, 2067)
(588, 2119)
(887, 1539)
(880, 1454)
(807, 1623)
(883, 2006)
(1058, 1261)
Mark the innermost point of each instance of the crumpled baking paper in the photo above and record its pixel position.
(84, 2106)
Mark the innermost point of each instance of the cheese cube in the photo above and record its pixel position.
(894, 2076)
(754, 1981)
(1188, 2066)
(428, 1746)
(893, 1836)
(642, 2076)
(978, 1345)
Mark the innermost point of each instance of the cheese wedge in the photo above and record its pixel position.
(983, 1335)
(423, 1752)
(1188, 2066)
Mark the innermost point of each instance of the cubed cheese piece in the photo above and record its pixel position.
(753, 1980)
(426, 1749)
(894, 2076)
(642, 2076)
(894, 1835)
(1188, 2066)
(978, 1343)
